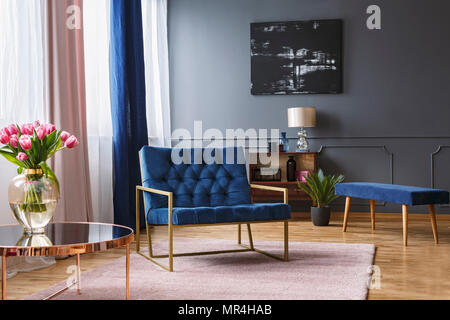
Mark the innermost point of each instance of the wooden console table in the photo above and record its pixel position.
(305, 161)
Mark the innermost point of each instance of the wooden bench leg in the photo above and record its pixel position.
(372, 214)
(405, 224)
(433, 222)
(348, 201)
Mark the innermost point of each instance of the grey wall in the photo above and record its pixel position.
(385, 127)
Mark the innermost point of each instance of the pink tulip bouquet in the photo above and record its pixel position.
(29, 146)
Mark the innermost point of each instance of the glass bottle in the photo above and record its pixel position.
(284, 143)
(291, 168)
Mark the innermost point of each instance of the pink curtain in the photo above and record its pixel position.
(68, 110)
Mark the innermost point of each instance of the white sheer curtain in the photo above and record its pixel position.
(98, 105)
(156, 55)
(23, 90)
(96, 46)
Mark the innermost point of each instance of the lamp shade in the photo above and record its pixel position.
(301, 117)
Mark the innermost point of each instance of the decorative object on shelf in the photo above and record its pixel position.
(291, 167)
(280, 148)
(307, 161)
(301, 174)
(266, 174)
(296, 57)
(34, 193)
(299, 117)
(321, 190)
(284, 143)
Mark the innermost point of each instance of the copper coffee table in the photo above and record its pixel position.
(68, 238)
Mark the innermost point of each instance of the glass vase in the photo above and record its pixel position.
(33, 198)
(284, 142)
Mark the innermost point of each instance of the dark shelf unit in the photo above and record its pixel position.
(305, 161)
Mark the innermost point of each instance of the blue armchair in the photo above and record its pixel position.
(197, 193)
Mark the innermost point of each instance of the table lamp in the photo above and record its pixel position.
(301, 117)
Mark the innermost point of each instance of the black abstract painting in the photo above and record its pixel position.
(296, 57)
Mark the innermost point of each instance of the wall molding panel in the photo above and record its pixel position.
(433, 168)
(389, 154)
(432, 165)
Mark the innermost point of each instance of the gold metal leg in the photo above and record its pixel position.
(433, 222)
(78, 274)
(138, 227)
(348, 201)
(286, 241)
(246, 248)
(252, 248)
(149, 239)
(138, 239)
(127, 270)
(170, 248)
(250, 237)
(170, 209)
(372, 213)
(405, 224)
(3, 278)
(171, 255)
(239, 234)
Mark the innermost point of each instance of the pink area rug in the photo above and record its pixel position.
(315, 271)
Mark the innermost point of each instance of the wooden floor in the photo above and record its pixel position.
(419, 271)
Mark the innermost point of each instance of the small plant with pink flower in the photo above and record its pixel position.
(29, 146)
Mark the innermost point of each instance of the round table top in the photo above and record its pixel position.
(63, 238)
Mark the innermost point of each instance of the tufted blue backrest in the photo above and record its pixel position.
(195, 184)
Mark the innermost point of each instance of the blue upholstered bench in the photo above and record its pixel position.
(404, 195)
(202, 193)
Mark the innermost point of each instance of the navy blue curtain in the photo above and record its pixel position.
(127, 105)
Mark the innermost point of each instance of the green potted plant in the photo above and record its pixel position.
(321, 190)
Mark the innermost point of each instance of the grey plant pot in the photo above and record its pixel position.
(320, 216)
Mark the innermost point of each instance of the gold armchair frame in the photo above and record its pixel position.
(153, 258)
